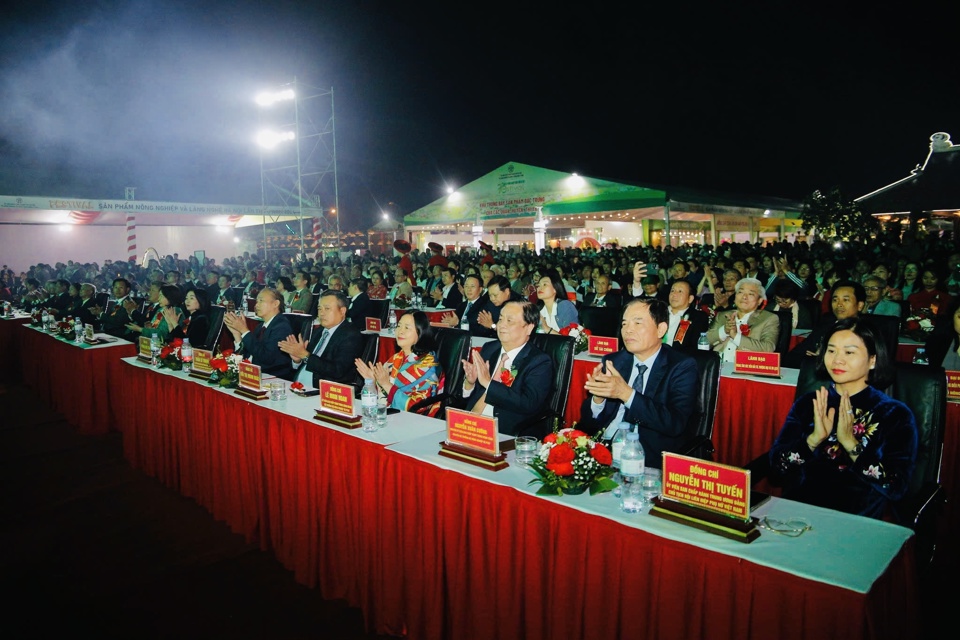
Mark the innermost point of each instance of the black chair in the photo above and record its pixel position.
(102, 299)
(601, 321)
(814, 308)
(298, 321)
(560, 350)
(700, 424)
(368, 353)
(786, 331)
(889, 328)
(314, 305)
(380, 309)
(215, 318)
(923, 388)
(453, 345)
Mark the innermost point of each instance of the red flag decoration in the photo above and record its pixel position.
(83, 217)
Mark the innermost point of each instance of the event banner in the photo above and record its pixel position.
(953, 385)
(601, 345)
(708, 485)
(249, 376)
(473, 431)
(201, 360)
(336, 397)
(373, 324)
(755, 363)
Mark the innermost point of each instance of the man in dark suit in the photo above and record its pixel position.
(499, 293)
(359, 308)
(262, 344)
(649, 384)
(447, 294)
(602, 297)
(331, 353)
(88, 302)
(114, 322)
(225, 292)
(510, 378)
(686, 322)
(465, 316)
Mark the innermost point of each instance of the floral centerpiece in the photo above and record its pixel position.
(226, 369)
(919, 325)
(36, 318)
(401, 302)
(169, 356)
(579, 335)
(570, 462)
(65, 328)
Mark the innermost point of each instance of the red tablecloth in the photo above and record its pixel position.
(432, 553)
(79, 383)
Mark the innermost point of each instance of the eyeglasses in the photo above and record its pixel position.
(793, 528)
(872, 288)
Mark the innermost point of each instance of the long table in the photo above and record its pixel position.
(430, 548)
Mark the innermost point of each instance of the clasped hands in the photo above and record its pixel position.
(377, 372)
(823, 418)
(476, 370)
(606, 382)
(235, 324)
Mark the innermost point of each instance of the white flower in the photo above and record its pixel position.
(873, 471)
(794, 458)
(926, 325)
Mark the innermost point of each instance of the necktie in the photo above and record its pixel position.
(638, 383)
(306, 377)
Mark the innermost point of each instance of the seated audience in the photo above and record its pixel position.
(412, 374)
(159, 324)
(328, 354)
(196, 324)
(874, 288)
(748, 328)
(556, 312)
(262, 344)
(848, 446)
(785, 294)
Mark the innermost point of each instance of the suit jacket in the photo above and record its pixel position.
(494, 310)
(302, 303)
(610, 301)
(229, 294)
(699, 323)
(336, 363)
(262, 346)
(662, 412)
(115, 321)
(196, 331)
(528, 394)
(359, 310)
(452, 300)
(764, 331)
(476, 328)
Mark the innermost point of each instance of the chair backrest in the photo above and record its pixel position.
(923, 388)
(453, 345)
(815, 308)
(297, 321)
(380, 310)
(314, 305)
(904, 309)
(215, 317)
(786, 331)
(708, 378)
(889, 328)
(560, 350)
(102, 299)
(368, 353)
(601, 321)
(807, 380)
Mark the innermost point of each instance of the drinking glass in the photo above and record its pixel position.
(381, 413)
(526, 449)
(650, 486)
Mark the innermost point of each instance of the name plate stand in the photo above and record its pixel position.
(144, 354)
(602, 345)
(757, 363)
(250, 386)
(201, 368)
(708, 496)
(473, 439)
(373, 324)
(336, 405)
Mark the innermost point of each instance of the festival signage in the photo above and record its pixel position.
(756, 363)
(336, 405)
(602, 345)
(707, 495)
(373, 324)
(953, 385)
(250, 382)
(473, 439)
(201, 364)
(144, 354)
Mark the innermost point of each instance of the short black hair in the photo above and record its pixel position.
(426, 340)
(342, 299)
(883, 371)
(858, 291)
(658, 309)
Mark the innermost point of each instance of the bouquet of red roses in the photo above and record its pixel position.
(169, 357)
(919, 324)
(226, 369)
(570, 462)
(579, 335)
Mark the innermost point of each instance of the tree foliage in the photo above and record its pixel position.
(833, 215)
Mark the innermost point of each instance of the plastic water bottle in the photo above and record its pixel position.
(703, 344)
(393, 321)
(616, 448)
(186, 352)
(368, 402)
(78, 330)
(632, 460)
(154, 349)
(920, 357)
(45, 320)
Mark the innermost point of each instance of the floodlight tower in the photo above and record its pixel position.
(298, 157)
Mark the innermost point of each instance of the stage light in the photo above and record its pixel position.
(267, 98)
(269, 139)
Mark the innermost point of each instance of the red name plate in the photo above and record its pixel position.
(601, 345)
(201, 360)
(145, 347)
(756, 363)
(373, 324)
(708, 485)
(473, 431)
(953, 385)
(336, 397)
(249, 376)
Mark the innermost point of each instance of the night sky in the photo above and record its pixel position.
(756, 98)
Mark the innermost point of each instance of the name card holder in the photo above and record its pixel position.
(373, 324)
(757, 363)
(336, 405)
(602, 345)
(953, 386)
(88, 334)
(708, 496)
(201, 368)
(144, 354)
(473, 439)
(250, 386)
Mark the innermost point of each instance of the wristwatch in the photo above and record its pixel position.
(856, 451)
(493, 326)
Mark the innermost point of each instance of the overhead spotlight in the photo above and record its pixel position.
(268, 98)
(269, 139)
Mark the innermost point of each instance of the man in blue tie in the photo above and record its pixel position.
(261, 344)
(330, 353)
(648, 385)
